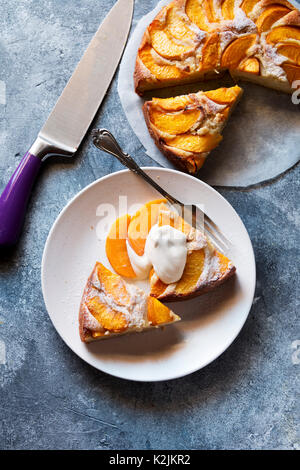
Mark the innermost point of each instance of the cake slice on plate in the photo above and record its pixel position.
(110, 308)
(187, 128)
(204, 268)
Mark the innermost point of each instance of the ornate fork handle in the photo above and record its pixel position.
(105, 141)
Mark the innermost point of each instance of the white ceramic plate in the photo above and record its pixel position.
(210, 323)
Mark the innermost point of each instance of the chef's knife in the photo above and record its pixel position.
(71, 116)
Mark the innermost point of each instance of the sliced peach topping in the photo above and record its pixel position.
(157, 286)
(113, 285)
(160, 71)
(116, 249)
(208, 8)
(290, 51)
(141, 224)
(195, 13)
(237, 51)
(188, 283)
(195, 143)
(292, 72)
(224, 262)
(224, 95)
(250, 65)
(192, 272)
(211, 52)
(248, 5)
(228, 9)
(158, 314)
(165, 45)
(174, 124)
(108, 318)
(177, 26)
(173, 104)
(270, 16)
(283, 34)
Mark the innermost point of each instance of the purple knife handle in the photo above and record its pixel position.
(14, 199)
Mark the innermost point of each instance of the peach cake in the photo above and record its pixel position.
(191, 40)
(110, 307)
(205, 268)
(186, 128)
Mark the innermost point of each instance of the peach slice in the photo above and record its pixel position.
(250, 65)
(109, 319)
(195, 143)
(178, 123)
(177, 26)
(116, 249)
(160, 71)
(290, 51)
(141, 224)
(157, 286)
(195, 13)
(223, 262)
(165, 45)
(224, 95)
(192, 272)
(228, 9)
(113, 285)
(208, 7)
(187, 284)
(291, 19)
(211, 52)
(173, 104)
(292, 72)
(280, 3)
(284, 33)
(248, 5)
(270, 16)
(158, 314)
(236, 51)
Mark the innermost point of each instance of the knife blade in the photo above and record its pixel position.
(80, 100)
(70, 117)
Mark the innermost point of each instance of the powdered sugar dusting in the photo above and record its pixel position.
(211, 270)
(226, 37)
(240, 24)
(90, 321)
(270, 60)
(134, 311)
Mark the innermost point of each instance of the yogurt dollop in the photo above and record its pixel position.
(165, 250)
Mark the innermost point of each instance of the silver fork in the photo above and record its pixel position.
(104, 140)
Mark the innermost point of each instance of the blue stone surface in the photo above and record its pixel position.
(51, 399)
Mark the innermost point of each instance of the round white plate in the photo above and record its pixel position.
(209, 323)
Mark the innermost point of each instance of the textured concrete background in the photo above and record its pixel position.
(49, 398)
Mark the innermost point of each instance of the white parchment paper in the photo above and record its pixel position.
(261, 140)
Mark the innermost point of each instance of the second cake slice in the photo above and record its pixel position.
(188, 127)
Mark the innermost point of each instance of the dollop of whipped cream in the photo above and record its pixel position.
(165, 251)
